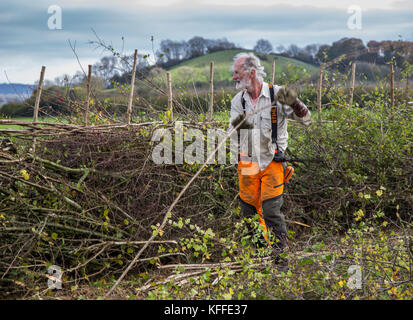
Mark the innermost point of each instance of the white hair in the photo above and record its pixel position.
(251, 62)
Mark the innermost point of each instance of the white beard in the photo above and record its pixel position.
(243, 84)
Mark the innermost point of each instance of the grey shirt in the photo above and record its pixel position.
(260, 116)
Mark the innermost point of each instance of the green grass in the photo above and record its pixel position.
(29, 119)
(197, 69)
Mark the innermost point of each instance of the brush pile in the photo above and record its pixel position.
(88, 198)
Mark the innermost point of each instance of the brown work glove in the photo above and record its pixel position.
(286, 96)
(244, 125)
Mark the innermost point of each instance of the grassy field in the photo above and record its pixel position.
(28, 119)
(197, 69)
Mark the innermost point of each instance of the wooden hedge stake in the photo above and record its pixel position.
(211, 90)
(89, 78)
(170, 106)
(273, 72)
(320, 87)
(353, 82)
(38, 94)
(132, 86)
(37, 103)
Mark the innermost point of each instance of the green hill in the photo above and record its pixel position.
(196, 70)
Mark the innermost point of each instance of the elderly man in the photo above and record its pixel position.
(262, 172)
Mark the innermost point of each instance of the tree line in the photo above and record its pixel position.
(378, 52)
(116, 69)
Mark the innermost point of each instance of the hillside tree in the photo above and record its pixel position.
(263, 46)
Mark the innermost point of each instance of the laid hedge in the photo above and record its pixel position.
(91, 198)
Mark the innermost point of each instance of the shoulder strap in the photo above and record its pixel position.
(271, 87)
(243, 102)
(274, 124)
(239, 136)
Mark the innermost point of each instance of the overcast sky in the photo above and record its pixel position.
(27, 43)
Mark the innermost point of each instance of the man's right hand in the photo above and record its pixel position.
(244, 125)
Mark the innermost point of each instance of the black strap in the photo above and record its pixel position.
(239, 136)
(274, 124)
(243, 102)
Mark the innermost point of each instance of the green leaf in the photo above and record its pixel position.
(305, 261)
(329, 257)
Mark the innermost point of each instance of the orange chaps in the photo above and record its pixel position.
(261, 192)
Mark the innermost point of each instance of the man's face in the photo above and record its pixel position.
(240, 77)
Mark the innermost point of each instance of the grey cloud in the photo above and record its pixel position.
(23, 26)
(29, 26)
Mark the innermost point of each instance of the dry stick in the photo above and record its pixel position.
(297, 254)
(320, 87)
(165, 219)
(89, 77)
(170, 106)
(119, 243)
(298, 222)
(273, 72)
(210, 265)
(135, 58)
(211, 90)
(86, 262)
(234, 266)
(353, 81)
(66, 128)
(392, 86)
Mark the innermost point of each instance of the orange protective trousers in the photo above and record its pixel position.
(256, 186)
